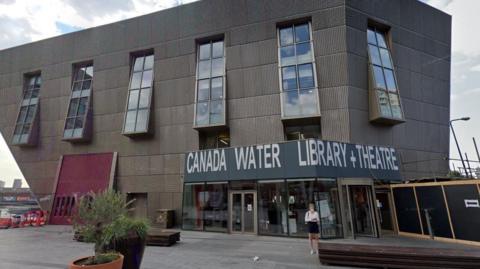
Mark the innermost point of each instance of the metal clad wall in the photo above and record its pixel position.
(406, 208)
(431, 198)
(465, 220)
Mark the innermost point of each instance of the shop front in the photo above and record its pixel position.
(266, 189)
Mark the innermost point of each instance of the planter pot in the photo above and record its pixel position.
(132, 248)
(116, 264)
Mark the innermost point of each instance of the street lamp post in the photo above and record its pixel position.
(456, 142)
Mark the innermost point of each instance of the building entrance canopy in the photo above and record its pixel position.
(293, 159)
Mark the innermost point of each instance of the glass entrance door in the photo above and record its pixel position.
(243, 212)
(361, 203)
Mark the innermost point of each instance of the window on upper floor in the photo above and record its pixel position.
(210, 85)
(302, 132)
(78, 121)
(385, 101)
(298, 80)
(26, 127)
(215, 139)
(140, 91)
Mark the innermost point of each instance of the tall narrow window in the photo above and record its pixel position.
(298, 80)
(383, 83)
(139, 95)
(77, 122)
(26, 120)
(210, 95)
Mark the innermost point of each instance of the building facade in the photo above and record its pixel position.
(125, 103)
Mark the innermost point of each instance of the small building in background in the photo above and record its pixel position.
(17, 183)
(2, 184)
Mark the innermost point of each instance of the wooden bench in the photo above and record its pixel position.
(158, 237)
(381, 256)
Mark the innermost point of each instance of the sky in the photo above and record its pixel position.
(23, 21)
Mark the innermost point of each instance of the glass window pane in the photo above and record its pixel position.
(383, 103)
(216, 208)
(371, 37)
(390, 78)
(203, 90)
(204, 51)
(327, 205)
(379, 79)
(286, 36)
(300, 194)
(381, 40)
(133, 99)
(79, 122)
(144, 98)
(24, 138)
(26, 129)
(86, 84)
(216, 118)
(27, 94)
(374, 55)
(304, 53)
(202, 113)
(216, 107)
(395, 104)
(31, 82)
(272, 210)
(18, 129)
(204, 69)
(218, 67)
(73, 107)
(84, 93)
(77, 86)
(148, 62)
(82, 106)
(79, 74)
(38, 81)
(302, 33)
(138, 66)
(89, 72)
(77, 132)
(217, 49)
(35, 92)
(142, 120)
(308, 102)
(130, 121)
(305, 76)
(217, 88)
(290, 104)
(68, 133)
(22, 115)
(31, 112)
(147, 78)
(77, 94)
(385, 58)
(287, 55)
(289, 77)
(193, 204)
(70, 123)
(136, 78)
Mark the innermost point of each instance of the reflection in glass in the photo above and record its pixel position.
(142, 120)
(217, 49)
(203, 90)
(202, 113)
(272, 210)
(216, 207)
(374, 55)
(138, 66)
(300, 194)
(304, 54)
(381, 40)
(136, 78)
(371, 37)
(286, 36)
(217, 67)
(289, 76)
(193, 204)
(383, 102)
(379, 79)
(204, 69)
(287, 55)
(217, 88)
(144, 98)
(307, 102)
(204, 51)
(148, 62)
(302, 33)
(385, 58)
(395, 103)
(133, 99)
(290, 104)
(391, 86)
(147, 78)
(130, 121)
(305, 76)
(328, 207)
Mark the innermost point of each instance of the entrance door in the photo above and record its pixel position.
(361, 202)
(243, 212)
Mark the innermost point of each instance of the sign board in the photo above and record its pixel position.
(293, 159)
(471, 203)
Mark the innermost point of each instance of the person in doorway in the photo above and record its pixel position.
(312, 220)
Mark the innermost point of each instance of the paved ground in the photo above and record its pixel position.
(52, 247)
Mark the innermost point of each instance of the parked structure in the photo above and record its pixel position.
(132, 105)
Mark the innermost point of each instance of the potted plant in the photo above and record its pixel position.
(102, 219)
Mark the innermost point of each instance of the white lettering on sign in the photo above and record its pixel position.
(206, 161)
(334, 154)
(261, 156)
(471, 203)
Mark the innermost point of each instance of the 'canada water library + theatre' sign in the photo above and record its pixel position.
(293, 159)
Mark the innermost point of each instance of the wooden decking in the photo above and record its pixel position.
(164, 238)
(383, 256)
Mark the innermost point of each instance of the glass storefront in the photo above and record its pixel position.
(216, 207)
(280, 206)
(272, 208)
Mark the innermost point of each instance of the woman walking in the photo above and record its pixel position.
(312, 220)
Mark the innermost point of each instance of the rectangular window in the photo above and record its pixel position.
(77, 121)
(272, 207)
(193, 206)
(213, 140)
(210, 84)
(139, 95)
(26, 119)
(383, 82)
(298, 80)
(302, 132)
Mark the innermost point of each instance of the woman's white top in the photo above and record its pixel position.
(311, 216)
